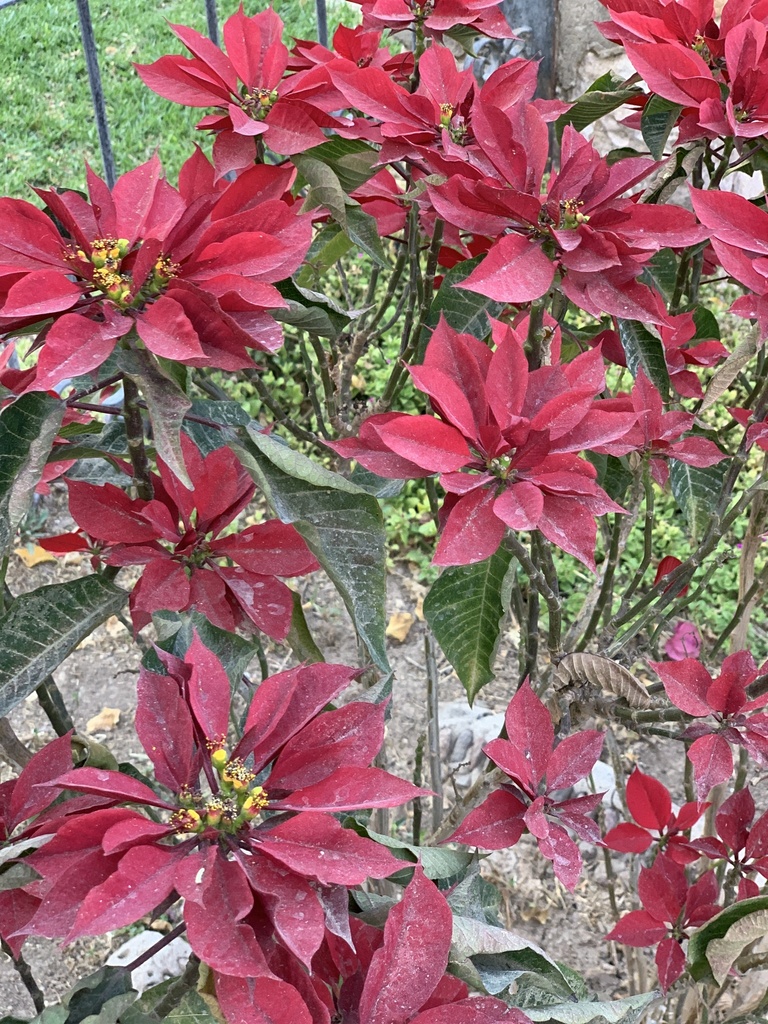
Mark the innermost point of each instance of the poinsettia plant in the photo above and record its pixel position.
(379, 284)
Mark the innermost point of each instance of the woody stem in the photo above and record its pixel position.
(134, 428)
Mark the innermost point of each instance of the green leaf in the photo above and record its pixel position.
(324, 187)
(342, 525)
(500, 970)
(603, 96)
(437, 862)
(44, 626)
(464, 608)
(717, 928)
(313, 311)
(234, 652)
(208, 438)
(618, 1011)
(612, 474)
(645, 351)
(110, 440)
(361, 229)
(101, 997)
(706, 324)
(27, 430)
(328, 246)
(723, 953)
(465, 311)
(352, 159)
(476, 898)
(299, 638)
(661, 272)
(696, 491)
(166, 405)
(656, 122)
(17, 875)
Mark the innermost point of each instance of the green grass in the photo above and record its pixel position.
(47, 127)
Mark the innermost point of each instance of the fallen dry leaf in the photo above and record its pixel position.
(106, 720)
(418, 611)
(33, 555)
(399, 625)
(114, 626)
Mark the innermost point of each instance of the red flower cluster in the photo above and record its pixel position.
(177, 536)
(247, 835)
(192, 270)
(691, 688)
(536, 772)
(506, 444)
(671, 907)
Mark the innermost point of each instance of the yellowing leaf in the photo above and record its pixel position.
(399, 625)
(105, 721)
(33, 555)
(357, 382)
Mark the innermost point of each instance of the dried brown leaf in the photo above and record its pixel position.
(606, 674)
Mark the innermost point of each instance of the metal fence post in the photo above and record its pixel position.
(536, 23)
(97, 95)
(213, 21)
(322, 22)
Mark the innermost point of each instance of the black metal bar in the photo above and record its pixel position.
(213, 21)
(97, 95)
(322, 22)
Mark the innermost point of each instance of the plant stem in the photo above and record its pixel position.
(134, 428)
(51, 701)
(10, 744)
(176, 992)
(433, 729)
(24, 972)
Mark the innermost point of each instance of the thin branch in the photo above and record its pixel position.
(24, 972)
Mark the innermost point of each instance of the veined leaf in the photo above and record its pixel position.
(603, 96)
(27, 431)
(656, 122)
(352, 160)
(465, 311)
(44, 626)
(342, 525)
(696, 491)
(644, 351)
(717, 928)
(464, 608)
(617, 1011)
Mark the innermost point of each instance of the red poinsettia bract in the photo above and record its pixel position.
(536, 771)
(670, 908)
(650, 804)
(506, 444)
(192, 270)
(249, 88)
(740, 840)
(248, 835)
(691, 688)
(177, 537)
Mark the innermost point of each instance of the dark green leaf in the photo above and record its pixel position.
(44, 626)
(101, 996)
(707, 326)
(27, 430)
(352, 160)
(656, 122)
(661, 272)
(644, 351)
(208, 438)
(603, 96)
(612, 474)
(716, 928)
(299, 638)
(234, 652)
(438, 862)
(464, 608)
(324, 187)
(312, 311)
(110, 440)
(342, 525)
(361, 229)
(465, 311)
(166, 405)
(14, 876)
(696, 491)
